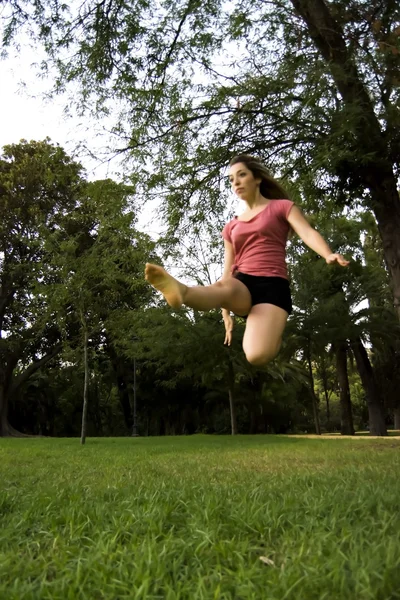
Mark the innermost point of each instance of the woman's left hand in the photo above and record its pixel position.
(332, 258)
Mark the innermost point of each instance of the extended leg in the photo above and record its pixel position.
(263, 335)
(229, 293)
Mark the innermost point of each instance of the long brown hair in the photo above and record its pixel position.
(269, 187)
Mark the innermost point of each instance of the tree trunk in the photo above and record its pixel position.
(231, 389)
(396, 413)
(378, 174)
(313, 395)
(86, 380)
(388, 218)
(324, 378)
(328, 408)
(377, 424)
(4, 425)
(122, 371)
(134, 406)
(125, 399)
(9, 385)
(346, 415)
(96, 409)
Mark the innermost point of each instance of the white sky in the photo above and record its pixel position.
(27, 114)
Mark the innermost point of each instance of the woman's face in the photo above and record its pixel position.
(243, 182)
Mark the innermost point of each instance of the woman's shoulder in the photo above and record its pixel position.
(226, 232)
(282, 202)
(282, 206)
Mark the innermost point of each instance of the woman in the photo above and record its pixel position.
(254, 283)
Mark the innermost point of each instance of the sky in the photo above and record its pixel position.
(27, 114)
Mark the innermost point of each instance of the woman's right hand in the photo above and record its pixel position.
(228, 322)
(228, 337)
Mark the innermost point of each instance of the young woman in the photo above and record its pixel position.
(254, 283)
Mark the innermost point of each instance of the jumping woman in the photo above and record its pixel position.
(254, 283)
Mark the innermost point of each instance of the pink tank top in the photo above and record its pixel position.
(260, 243)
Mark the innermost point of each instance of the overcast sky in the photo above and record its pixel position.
(26, 114)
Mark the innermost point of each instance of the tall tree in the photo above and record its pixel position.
(320, 102)
(347, 426)
(39, 186)
(70, 261)
(328, 305)
(375, 405)
(323, 96)
(373, 165)
(102, 273)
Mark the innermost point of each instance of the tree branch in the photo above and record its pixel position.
(29, 371)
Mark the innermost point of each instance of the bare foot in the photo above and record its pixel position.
(172, 290)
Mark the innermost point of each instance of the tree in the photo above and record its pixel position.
(374, 167)
(326, 380)
(320, 104)
(328, 311)
(324, 98)
(102, 273)
(71, 264)
(39, 186)
(347, 426)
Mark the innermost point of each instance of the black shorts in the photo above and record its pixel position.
(267, 290)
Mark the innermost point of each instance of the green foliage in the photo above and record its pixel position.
(71, 262)
(197, 82)
(103, 260)
(186, 105)
(39, 186)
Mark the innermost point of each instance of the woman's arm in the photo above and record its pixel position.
(229, 259)
(312, 238)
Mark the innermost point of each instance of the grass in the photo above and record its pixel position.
(189, 518)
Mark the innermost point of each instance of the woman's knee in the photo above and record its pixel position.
(262, 356)
(260, 359)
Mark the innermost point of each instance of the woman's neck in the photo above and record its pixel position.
(257, 201)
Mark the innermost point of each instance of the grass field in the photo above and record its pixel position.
(190, 518)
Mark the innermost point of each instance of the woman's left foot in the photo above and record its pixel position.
(172, 290)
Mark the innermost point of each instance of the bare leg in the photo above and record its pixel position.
(230, 293)
(263, 335)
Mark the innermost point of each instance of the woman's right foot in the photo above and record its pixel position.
(172, 290)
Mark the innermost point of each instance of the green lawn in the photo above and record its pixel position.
(190, 517)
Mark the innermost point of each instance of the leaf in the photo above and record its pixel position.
(267, 561)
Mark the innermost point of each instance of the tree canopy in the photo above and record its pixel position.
(311, 87)
(69, 258)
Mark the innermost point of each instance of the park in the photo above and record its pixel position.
(243, 447)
